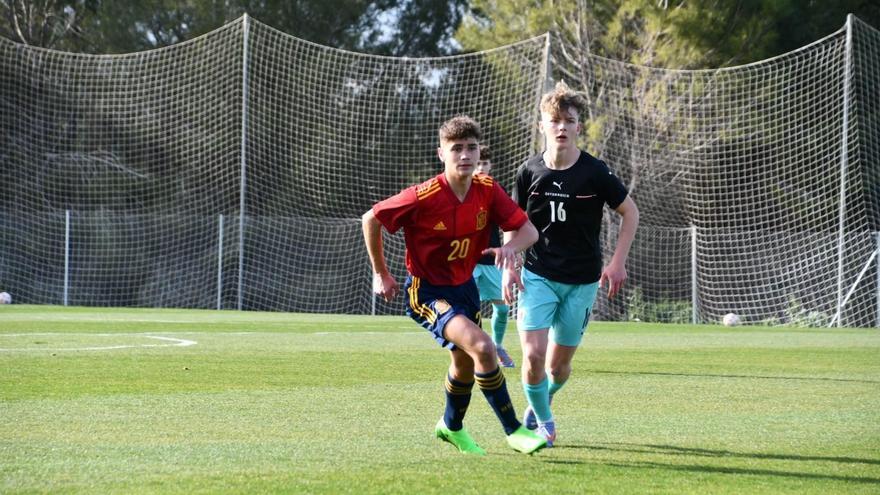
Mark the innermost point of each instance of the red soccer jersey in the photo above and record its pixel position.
(444, 236)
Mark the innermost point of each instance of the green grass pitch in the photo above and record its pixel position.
(181, 401)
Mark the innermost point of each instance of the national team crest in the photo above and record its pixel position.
(482, 217)
(441, 306)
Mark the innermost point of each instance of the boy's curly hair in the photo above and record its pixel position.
(561, 98)
(460, 127)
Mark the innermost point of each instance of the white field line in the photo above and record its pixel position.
(133, 320)
(174, 343)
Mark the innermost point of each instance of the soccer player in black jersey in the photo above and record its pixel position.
(564, 191)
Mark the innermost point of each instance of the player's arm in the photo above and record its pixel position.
(614, 273)
(519, 233)
(515, 242)
(384, 283)
(510, 276)
(518, 241)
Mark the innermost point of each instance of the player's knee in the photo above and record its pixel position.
(485, 349)
(533, 360)
(560, 372)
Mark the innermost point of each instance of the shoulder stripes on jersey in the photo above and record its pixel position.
(483, 179)
(428, 188)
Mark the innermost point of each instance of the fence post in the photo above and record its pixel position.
(243, 159)
(694, 284)
(844, 163)
(220, 261)
(66, 255)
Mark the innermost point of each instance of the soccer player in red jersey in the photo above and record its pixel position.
(446, 223)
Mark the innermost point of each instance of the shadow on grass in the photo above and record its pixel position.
(675, 450)
(688, 451)
(694, 468)
(708, 375)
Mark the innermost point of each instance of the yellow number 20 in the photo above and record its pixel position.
(459, 249)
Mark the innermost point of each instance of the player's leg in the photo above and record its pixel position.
(490, 290)
(499, 321)
(534, 376)
(566, 334)
(499, 329)
(428, 306)
(488, 279)
(537, 306)
(459, 383)
(559, 359)
(470, 339)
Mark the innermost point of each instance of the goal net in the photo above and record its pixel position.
(758, 185)
(231, 171)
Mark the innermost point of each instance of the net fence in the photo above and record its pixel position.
(758, 184)
(231, 171)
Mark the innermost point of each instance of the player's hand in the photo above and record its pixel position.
(510, 280)
(386, 286)
(613, 276)
(504, 257)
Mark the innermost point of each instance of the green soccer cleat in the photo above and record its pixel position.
(526, 441)
(461, 439)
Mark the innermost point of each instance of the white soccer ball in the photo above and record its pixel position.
(730, 320)
(5, 298)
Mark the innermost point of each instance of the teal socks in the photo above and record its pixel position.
(499, 322)
(555, 387)
(539, 398)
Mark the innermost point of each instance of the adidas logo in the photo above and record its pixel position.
(440, 226)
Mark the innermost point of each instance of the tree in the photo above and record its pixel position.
(695, 34)
(385, 27)
(674, 35)
(49, 24)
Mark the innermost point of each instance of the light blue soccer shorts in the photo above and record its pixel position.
(563, 308)
(488, 279)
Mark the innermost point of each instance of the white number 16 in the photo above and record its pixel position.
(557, 212)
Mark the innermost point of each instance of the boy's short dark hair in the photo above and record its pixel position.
(561, 99)
(460, 127)
(485, 152)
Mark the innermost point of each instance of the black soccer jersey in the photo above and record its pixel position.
(566, 207)
(494, 241)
